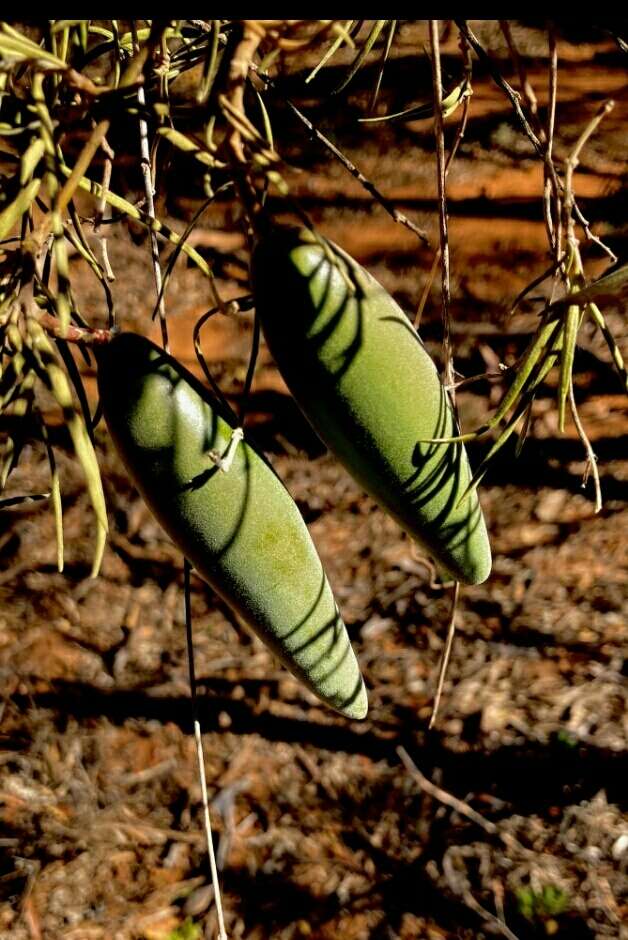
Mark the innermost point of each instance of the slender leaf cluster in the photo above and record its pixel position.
(71, 89)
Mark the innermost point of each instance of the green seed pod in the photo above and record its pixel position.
(240, 529)
(364, 380)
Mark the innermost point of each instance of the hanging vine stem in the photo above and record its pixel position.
(575, 281)
(499, 80)
(237, 305)
(441, 175)
(446, 656)
(524, 82)
(511, 94)
(545, 136)
(574, 158)
(198, 738)
(591, 467)
(180, 247)
(466, 104)
(442, 198)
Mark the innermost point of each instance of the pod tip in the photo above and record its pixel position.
(357, 706)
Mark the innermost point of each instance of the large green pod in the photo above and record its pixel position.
(240, 529)
(364, 380)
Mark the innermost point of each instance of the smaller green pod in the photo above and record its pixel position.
(240, 529)
(365, 381)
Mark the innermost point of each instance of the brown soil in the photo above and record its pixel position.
(323, 828)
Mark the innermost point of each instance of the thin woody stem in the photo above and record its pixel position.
(149, 190)
(75, 334)
(369, 186)
(222, 934)
(442, 197)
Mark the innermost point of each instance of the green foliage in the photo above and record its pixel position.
(187, 931)
(567, 739)
(551, 901)
(69, 87)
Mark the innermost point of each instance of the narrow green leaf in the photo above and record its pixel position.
(572, 322)
(389, 38)
(615, 351)
(187, 145)
(11, 216)
(607, 289)
(160, 228)
(338, 41)
(449, 105)
(359, 60)
(16, 48)
(30, 160)
(55, 379)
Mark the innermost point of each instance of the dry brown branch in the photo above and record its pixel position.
(447, 799)
(592, 467)
(74, 334)
(551, 194)
(437, 89)
(369, 186)
(524, 82)
(149, 191)
(253, 32)
(501, 82)
(459, 884)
